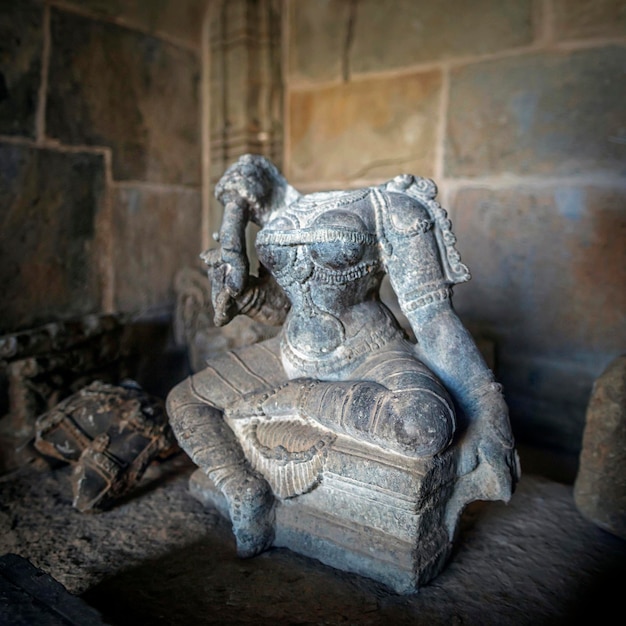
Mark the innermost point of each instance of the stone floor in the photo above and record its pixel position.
(159, 558)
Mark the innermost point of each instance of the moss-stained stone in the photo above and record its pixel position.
(550, 113)
(49, 202)
(365, 129)
(181, 19)
(111, 86)
(318, 38)
(548, 273)
(577, 19)
(155, 233)
(21, 44)
(404, 32)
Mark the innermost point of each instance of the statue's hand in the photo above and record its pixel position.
(488, 455)
(228, 274)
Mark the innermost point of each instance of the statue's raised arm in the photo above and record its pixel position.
(251, 190)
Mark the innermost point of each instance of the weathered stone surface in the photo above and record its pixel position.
(30, 596)
(364, 130)
(318, 39)
(576, 19)
(549, 113)
(153, 233)
(339, 438)
(600, 488)
(545, 264)
(21, 43)
(49, 204)
(194, 328)
(547, 396)
(110, 86)
(246, 83)
(161, 558)
(181, 19)
(405, 32)
(48, 363)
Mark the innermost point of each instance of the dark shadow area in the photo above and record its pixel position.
(205, 583)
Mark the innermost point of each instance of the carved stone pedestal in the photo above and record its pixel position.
(377, 514)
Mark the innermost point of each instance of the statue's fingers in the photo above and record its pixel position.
(235, 281)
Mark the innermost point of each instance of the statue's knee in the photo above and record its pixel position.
(178, 398)
(187, 412)
(422, 423)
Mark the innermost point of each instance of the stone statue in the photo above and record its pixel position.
(340, 438)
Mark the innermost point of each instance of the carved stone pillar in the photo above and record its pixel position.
(246, 86)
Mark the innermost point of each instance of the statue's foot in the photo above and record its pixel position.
(251, 507)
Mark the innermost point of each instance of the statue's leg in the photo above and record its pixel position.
(201, 431)
(392, 400)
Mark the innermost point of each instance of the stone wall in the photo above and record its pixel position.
(516, 109)
(100, 160)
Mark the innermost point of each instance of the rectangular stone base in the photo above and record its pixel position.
(390, 529)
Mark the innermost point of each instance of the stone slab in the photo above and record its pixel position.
(318, 34)
(30, 596)
(551, 113)
(364, 129)
(577, 19)
(181, 19)
(49, 206)
(114, 87)
(155, 233)
(547, 265)
(404, 32)
(21, 44)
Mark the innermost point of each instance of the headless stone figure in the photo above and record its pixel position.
(341, 359)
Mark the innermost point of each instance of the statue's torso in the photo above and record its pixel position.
(323, 251)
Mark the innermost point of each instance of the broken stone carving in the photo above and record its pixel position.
(46, 364)
(339, 438)
(110, 434)
(193, 322)
(600, 487)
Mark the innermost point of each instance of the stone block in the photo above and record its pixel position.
(181, 19)
(317, 39)
(155, 234)
(393, 533)
(110, 86)
(578, 19)
(369, 129)
(547, 114)
(28, 595)
(547, 397)
(548, 265)
(548, 272)
(600, 488)
(405, 32)
(21, 43)
(49, 205)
